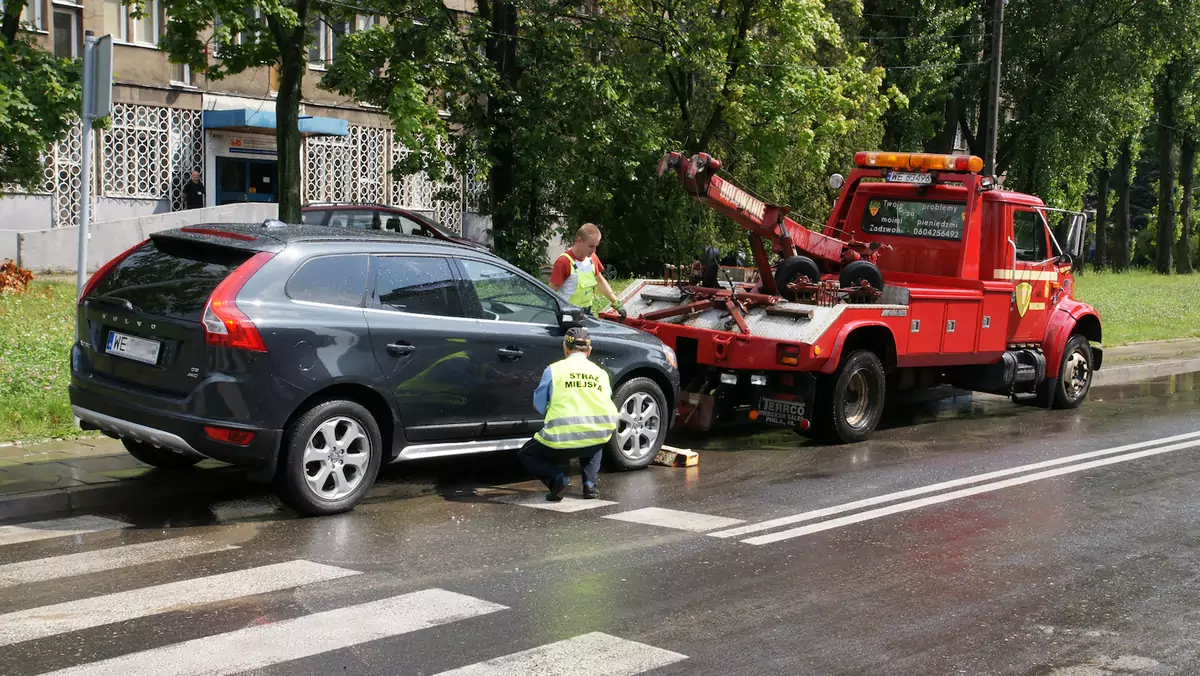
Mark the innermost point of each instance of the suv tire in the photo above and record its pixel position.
(162, 458)
(849, 402)
(641, 425)
(329, 458)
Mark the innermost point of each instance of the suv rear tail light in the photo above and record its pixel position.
(225, 325)
(105, 269)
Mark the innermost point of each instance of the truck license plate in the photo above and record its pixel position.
(132, 347)
(780, 412)
(919, 178)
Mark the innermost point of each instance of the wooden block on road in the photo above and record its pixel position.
(669, 456)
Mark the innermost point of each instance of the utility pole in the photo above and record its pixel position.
(993, 111)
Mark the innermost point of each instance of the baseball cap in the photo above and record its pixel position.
(577, 337)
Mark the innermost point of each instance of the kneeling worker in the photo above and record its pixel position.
(575, 395)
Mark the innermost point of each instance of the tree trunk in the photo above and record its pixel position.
(1187, 174)
(502, 53)
(1101, 257)
(1124, 233)
(12, 19)
(292, 64)
(1166, 183)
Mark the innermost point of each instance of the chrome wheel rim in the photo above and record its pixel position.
(336, 458)
(1077, 374)
(638, 426)
(856, 400)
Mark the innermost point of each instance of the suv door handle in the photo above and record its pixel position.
(400, 349)
(510, 353)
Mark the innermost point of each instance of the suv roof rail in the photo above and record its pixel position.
(273, 223)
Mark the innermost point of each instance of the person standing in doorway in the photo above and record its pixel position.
(193, 192)
(578, 271)
(575, 396)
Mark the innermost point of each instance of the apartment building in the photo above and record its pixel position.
(168, 121)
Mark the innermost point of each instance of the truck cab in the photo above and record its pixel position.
(925, 273)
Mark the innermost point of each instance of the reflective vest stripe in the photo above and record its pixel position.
(597, 437)
(582, 420)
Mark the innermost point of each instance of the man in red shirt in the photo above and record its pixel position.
(578, 270)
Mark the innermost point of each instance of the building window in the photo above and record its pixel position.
(31, 18)
(115, 19)
(325, 37)
(120, 23)
(181, 74)
(66, 33)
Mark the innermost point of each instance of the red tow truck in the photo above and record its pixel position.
(926, 273)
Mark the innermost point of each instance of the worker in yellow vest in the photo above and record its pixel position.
(575, 396)
(578, 272)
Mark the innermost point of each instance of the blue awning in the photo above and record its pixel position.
(263, 121)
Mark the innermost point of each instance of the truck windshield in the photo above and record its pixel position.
(929, 220)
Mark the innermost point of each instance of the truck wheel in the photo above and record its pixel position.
(641, 426)
(329, 458)
(161, 458)
(858, 272)
(1074, 376)
(793, 268)
(849, 403)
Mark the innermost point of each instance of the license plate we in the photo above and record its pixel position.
(918, 178)
(132, 347)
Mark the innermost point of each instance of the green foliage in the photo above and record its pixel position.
(39, 102)
(1140, 305)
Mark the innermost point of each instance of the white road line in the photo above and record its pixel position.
(966, 492)
(262, 646)
(673, 518)
(933, 488)
(35, 623)
(539, 501)
(594, 654)
(84, 563)
(57, 528)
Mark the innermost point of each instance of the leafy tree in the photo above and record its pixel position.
(39, 101)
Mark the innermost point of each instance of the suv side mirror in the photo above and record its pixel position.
(1075, 235)
(570, 317)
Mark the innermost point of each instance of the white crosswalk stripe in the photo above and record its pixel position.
(56, 528)
(594, 654)
(674, 518)
(35, 623)
(85, 563)
(261, 646)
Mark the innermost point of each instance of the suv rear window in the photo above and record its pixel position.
(170, 278)
(928, 220)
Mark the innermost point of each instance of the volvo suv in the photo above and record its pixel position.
(311, 356)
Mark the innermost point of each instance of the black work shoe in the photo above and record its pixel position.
(590, 491)
(561, 484)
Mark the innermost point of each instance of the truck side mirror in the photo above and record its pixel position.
(1075, 235)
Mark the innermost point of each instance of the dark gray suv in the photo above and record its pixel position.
(312, 356)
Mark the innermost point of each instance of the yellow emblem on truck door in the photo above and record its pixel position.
(1023, 293)
(874, 209)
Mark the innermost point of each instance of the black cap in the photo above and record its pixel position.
(577, 337)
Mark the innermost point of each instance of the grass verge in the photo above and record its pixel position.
(1141, 305)
(36, 332)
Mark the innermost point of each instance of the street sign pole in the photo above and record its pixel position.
(97, 103)
(993, 109)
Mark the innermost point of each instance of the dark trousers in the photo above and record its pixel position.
(544, 461)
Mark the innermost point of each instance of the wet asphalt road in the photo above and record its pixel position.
(1090, 572)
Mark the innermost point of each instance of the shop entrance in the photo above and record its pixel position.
(240, 180)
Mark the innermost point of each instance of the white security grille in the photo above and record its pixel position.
(327, 169)
(136, 153)
(186, 151)
(368, 171)
(64, 173)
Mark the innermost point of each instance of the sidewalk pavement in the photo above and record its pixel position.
(96, 472)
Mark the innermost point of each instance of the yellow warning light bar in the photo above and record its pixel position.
(919, 162)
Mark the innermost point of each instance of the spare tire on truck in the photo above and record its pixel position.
(792, 269)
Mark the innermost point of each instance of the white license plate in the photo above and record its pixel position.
(132, 347)
(780, 411)
(920, 178)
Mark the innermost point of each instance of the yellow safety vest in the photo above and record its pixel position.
(581, 412)
(586, 281)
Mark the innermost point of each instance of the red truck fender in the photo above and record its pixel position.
(1071, 316)
(874, 333)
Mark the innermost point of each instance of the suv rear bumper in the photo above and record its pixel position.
(180, 433)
